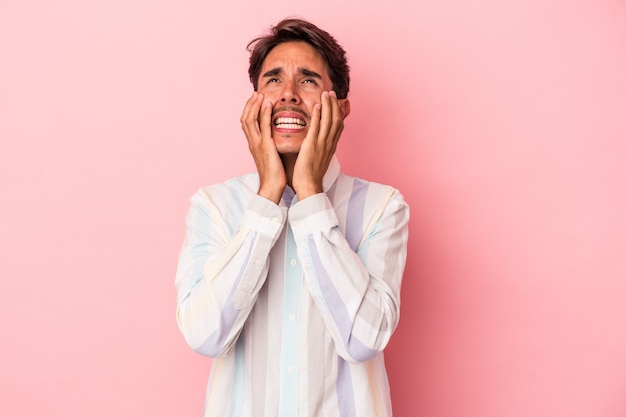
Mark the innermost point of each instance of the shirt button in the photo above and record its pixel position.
(275, 219)
(293, 262)
(292, 317)
(290, 369)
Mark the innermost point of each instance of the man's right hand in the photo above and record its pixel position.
(256, 124)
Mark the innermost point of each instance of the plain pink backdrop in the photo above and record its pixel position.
(503, 124)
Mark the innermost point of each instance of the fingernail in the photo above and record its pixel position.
(332, 93)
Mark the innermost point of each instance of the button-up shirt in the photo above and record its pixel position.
(295, 301)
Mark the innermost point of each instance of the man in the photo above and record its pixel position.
(290, 277)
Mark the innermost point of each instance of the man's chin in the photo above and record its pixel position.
(288, 150)
(288, 145)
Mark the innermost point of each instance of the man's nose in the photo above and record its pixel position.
(289, 93)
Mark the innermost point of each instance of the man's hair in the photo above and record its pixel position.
(294, 30)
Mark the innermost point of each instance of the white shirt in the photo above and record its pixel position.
(295, 301)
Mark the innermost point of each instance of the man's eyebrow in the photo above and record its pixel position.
(309, 73)
(301, 70)
(273, 71)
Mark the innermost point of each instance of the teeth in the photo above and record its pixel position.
(289, 126)
(289, 122)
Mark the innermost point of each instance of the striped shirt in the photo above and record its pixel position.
(295, 301)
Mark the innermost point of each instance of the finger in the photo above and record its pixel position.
(337, 120)
(326, 117)
(246, 110)
(265, 120)
(314, 129)
(250, 117)
(337, 111)
(245, 124)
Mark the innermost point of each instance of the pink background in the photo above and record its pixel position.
(503, 124)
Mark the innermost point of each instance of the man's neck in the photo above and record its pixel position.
(289, 162)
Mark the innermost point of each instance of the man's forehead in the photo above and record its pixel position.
(298, 56)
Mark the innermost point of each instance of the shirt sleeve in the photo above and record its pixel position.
(356, 291)
(220, 273)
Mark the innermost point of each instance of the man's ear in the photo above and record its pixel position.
(345, 107)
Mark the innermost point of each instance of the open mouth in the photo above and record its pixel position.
(289, 123)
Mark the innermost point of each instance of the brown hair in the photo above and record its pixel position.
(291, 30)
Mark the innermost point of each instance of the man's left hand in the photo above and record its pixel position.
(319, 145)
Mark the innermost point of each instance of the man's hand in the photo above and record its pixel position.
(256, 124)
(319, 145)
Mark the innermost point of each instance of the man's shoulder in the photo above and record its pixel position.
(240, 188)
(353, 183)
(240, 184)
(372, 197)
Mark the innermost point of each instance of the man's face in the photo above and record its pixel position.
(293, 77)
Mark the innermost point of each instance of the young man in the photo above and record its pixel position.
(290, 277)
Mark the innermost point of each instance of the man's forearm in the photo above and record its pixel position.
(357, 289)
(218, 281)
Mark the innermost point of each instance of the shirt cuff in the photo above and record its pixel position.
(312, 215)
(263, 216)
